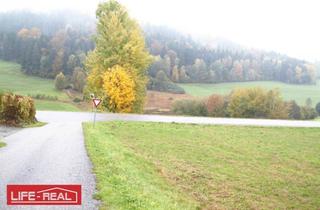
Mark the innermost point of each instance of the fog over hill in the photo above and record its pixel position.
(285, 27)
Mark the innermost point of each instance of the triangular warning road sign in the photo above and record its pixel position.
(96, 102)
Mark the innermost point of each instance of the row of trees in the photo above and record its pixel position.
(247, 103)
(48, 44)
(41, 50)
(184, 60)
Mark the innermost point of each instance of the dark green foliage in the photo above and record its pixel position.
(294, 111)
(78, 79)
(46, 44)
(17, 110)
(308, 113)
(164, 84)
(190, 107)
(77, 100)
(309, 102)
(318, 108)
(201, 64)
(60, 82)
(44, 97)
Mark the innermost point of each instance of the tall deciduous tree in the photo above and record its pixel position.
(119, 41)
(119, 86)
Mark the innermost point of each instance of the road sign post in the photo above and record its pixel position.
(96, 102)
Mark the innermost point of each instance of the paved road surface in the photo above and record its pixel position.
(55, 153)
(46, 116)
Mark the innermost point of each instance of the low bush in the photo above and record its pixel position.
(79, 79)
(246, 103)
(190, 107)
(60, 81)
(294, 110)
(44, 97)
(318, 108)
(257, 103)
(17, 110)
(77, 100)
(308, 113)
(164, 86)
(1, 94)
(162, 83)
(216, 105)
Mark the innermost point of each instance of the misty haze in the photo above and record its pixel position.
(153, 104)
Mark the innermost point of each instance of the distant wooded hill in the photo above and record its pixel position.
(46, 44)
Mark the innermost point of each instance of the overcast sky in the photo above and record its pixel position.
(286, 26)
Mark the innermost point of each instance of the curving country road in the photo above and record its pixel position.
(62, 117)
(55, 153)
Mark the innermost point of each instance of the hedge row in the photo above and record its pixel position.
(246, 103)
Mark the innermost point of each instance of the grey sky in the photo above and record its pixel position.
(286, 26)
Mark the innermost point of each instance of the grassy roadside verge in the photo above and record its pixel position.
(34, 125)
(176, 166)
(125, 180)
(43, 105)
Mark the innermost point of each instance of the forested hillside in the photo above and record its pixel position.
(46, 44)
(185, 60)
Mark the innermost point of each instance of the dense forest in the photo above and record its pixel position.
(47, 44)
(44, 44)
(185, 60)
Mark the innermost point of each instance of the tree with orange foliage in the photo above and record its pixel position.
(119, 88)
(215, 105)
(119, 41)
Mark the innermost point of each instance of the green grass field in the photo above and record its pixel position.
(176, 166)
(55, 106)
(13, 80)
(289, 92)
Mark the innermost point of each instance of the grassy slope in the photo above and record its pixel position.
(297, 92)
(12, 79)
(174, 166)
(55, 106)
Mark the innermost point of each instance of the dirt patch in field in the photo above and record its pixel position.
(156, 102)
(161, 102)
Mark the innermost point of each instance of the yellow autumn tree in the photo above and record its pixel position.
(119, 88)
(119, 41)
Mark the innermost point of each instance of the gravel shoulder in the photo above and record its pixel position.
(7, 131)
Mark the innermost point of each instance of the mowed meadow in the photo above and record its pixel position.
(12, 79)
(299, 93)
(183, 166)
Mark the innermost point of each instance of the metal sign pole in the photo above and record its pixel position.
(95, 104)
(94, 117)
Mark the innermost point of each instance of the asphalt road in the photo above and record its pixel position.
(54, 117)
(55, 153)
